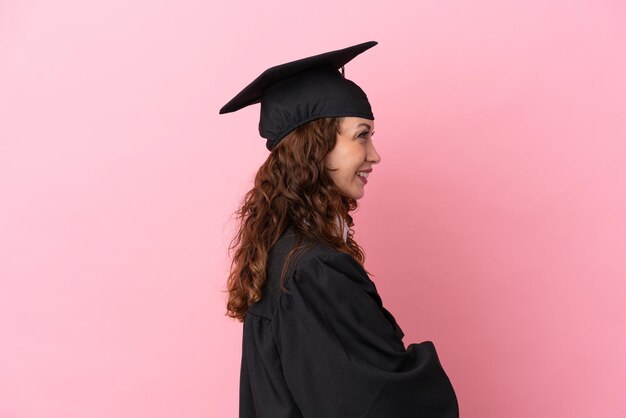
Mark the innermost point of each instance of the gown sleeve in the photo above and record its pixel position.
(342, 354)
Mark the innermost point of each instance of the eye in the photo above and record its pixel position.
(364, 134)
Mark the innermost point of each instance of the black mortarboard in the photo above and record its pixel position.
(300, 91)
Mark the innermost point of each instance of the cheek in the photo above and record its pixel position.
(357, 159)
(335, 169)
(351, 163)
(347, 160)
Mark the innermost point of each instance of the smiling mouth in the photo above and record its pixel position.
(362, 176)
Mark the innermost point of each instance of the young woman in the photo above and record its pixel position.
(317, 341)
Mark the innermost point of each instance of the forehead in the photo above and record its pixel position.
(352, 123)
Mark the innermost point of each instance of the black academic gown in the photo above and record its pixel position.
(329, 349)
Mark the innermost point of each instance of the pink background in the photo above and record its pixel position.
(494, 224)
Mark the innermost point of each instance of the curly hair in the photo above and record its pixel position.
(291, 188)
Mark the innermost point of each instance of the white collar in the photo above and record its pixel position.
(345, 228)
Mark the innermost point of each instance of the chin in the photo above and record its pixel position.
(353, 193)
(357, 196)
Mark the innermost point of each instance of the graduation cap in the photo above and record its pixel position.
(301, 91)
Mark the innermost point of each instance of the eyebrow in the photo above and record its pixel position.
(363, 124)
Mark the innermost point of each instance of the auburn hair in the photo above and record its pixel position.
(291, 188)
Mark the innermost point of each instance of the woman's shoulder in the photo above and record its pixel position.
(318, 265)
(306, 254)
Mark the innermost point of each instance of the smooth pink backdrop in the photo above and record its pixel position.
(494, 224)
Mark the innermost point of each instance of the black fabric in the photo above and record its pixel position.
(329, 349)
(300, 91)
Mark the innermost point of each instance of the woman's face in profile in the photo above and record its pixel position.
(351, 160)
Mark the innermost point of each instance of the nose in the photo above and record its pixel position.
(372, 154)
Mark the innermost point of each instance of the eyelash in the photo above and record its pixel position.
(363, 133)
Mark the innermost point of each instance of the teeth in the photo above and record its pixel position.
(362, 174)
